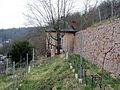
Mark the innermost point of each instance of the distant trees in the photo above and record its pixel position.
(48, 12)
(37, 38)
(45, 11)
(19, 51)
(96, 13)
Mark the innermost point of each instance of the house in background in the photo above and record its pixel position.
(66, 40)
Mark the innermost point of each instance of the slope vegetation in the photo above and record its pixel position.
(50, 74)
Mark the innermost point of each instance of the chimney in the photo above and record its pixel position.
(73, 25)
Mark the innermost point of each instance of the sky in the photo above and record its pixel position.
(11, 12)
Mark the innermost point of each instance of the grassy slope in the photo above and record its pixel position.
(5, 81)
(111, 83)
(51, 74)
(54, 74)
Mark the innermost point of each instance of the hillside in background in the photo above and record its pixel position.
(35, 35)
(16, 33)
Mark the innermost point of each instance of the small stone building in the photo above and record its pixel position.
(67, 41)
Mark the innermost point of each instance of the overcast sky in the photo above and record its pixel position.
(11, 12)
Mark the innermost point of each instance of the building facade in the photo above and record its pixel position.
(66, 41)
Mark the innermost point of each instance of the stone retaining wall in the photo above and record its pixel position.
(101, 46)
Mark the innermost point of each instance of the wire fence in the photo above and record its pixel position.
(15, 72)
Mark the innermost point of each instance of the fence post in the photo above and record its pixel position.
(27, 60)
(33, 57)
(6, 66)
(28, 67)
(14, 77)
(81, 70)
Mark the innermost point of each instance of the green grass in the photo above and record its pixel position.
(55, 74)
(107, 80)
(5, 81)
(52, 74)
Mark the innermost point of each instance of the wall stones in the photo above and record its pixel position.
(101, 45)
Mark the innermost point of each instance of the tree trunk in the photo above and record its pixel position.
(58, 43)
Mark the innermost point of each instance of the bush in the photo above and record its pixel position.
(19, 50)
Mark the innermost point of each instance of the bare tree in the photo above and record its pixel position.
(86, 4)
(89, 12)
(99, 13)
(49, 13)
(112, 7)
